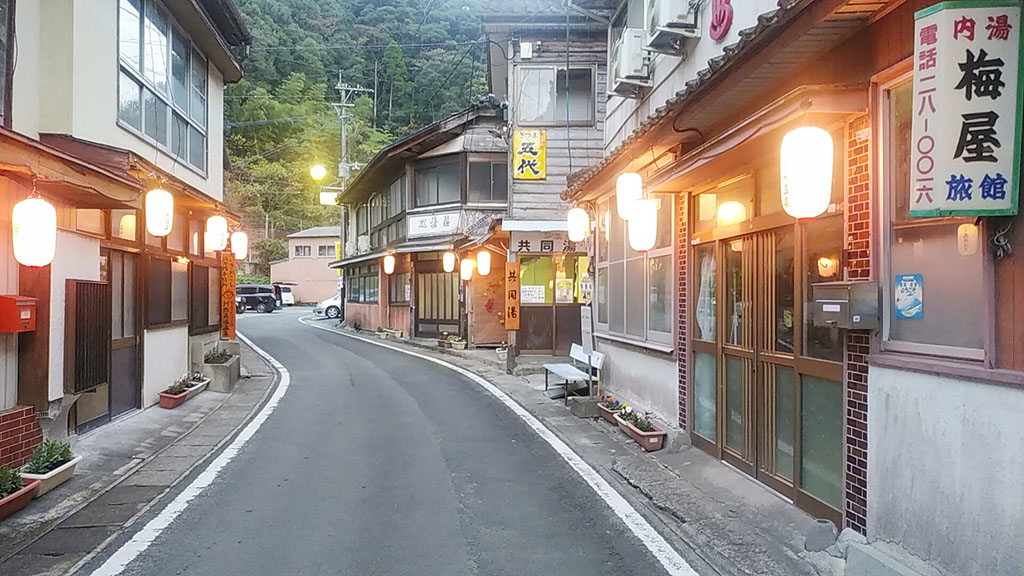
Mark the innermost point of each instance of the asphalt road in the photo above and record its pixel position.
(378, 463)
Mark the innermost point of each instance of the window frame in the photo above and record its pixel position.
(396, 284)
(885, 210)
(10, 36)
(591, 120)
(491, 162)
(357, 283)
(205, 326)
(322, 253)
(138, 77)
(434, 165)
(307, 253)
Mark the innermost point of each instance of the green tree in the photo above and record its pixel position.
(268, 250)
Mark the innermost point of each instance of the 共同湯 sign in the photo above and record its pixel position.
(511, 295)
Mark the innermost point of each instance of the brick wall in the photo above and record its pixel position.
(858, 267)
(20, 433)
(682, 245)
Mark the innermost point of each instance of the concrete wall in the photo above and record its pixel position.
(9, 195)
(646, 379)
(166, 358)
(944, 469)
(78, 258)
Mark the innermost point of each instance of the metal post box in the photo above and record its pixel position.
(17, 313)
(850, 305)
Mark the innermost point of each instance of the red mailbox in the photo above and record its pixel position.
(17, 313)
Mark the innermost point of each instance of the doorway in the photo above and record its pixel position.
(124, 341)
(552, 289)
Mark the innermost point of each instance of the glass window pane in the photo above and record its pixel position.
(537, 273)
(781, 313)
(129, 294)
(659, 294)
(129, 108)
(616, 236)
(176, 239)
(214, 315)
(581, 96)
(91, 220)
(196, 148)
(735, 382)
(602, 232)
(155, 117)
(635, 297)
(180, 70)
(735, 299)
(116, 295)
(179, 290)
(900, 118)
(783, 414)
(536, 95)
(769, 186)
(449, 183)
(123, 224)
(128, 31)
(821, 439)
(197, 108)
(951, 300)
(665, 221)
(479, 181)
(737, 193)
(424, 178)
(154, 61)
(195, 243)
(602, 295)
(823, 246)
(705, 400)
(499, 182)
(706, 281)
(616, 299)
(179, 136)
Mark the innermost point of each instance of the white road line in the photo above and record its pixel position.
(674, 563)
(120, 559)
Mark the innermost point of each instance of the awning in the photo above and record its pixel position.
(433, 245)
(534, 225)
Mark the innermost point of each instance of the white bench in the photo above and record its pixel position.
(571, 373)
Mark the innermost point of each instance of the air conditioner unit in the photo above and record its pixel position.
(669, 22)
(628, 65)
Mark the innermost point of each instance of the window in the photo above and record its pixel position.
(166, 291)
(635, 290)
(124, 225)
(176, 239)
(122, 289)
(396, 198)
(548, 93)
(303, 251)
(325, 251)
(196, 232)
(362, 219)
(362, 284)
(6, 58)
(399, 288)
(924, 257)
(488, 182)
(438, 184)
(162, 83)
(205, 298)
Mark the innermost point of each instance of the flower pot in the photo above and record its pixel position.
(609, 414)
(459, 344)
(195, 390)
(171, 401)
(502, 354)
(14, 502)
(53, 478)
(382, 335)
(223, 377)
(650, 441)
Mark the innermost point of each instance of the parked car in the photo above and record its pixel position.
(258, 297)
(287, 297)
(330, 308)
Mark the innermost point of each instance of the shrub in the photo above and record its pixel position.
(634, 417)
(217, 356)
(10, 481)
(48, 456)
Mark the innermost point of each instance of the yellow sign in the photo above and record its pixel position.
(530, 155)
(512, 296)
(337, 253)
(227, 295)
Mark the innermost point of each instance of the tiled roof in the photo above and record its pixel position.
(318, 232)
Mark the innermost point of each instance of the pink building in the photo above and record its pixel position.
(309, 253)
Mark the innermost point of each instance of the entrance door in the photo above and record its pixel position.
(552, 290)
(437, 303)
(124, 340)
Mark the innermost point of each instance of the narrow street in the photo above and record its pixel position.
(376, 462)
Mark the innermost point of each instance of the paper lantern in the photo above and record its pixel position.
(159, 212)
(967, 239)
(240, 245)
(643, 225)
(466, 269)
(34, 224)
(126, 227)
(448, 261)
(318, 172)
(731, 212)
(827, 266)
(389, 264)
(806, 168)
(579, 223)
(483, 262)
(216, 233)
(628, 189)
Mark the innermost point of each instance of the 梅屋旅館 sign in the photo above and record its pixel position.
(967, 104)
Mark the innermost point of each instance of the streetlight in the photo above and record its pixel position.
(318, 173)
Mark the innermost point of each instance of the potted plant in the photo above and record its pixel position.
(640, 429)
(224, 369)
(174, 396)
(15, 492)
(609, 408)
(456, 342)
(502, 352)
(381, 333)
(196, 383)
(52, 464)
(442, 340)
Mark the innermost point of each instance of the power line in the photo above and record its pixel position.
(368, 46)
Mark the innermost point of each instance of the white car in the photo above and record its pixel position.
(287, 298)
(331, 308)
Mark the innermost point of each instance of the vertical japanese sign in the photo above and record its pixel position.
(511, 295)
(530, 154)
(337, 253)
(227, 295)
(967, 109)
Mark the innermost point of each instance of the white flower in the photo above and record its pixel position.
(628, 409)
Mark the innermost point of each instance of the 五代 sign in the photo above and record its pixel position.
(966, 109)
(529, 155)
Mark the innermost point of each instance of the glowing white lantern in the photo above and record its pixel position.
(483, 262)
(629, 188)
(240, 245)
(126, 227)
(448, 261)
(466, 269)
(731, 212)
(34, 223)
(643, 225)
(579, 222)
(389, 264)
(806, 167)
(216, 233)
(159, 212)
(967, 239)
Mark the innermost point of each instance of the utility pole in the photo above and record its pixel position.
(376, 63)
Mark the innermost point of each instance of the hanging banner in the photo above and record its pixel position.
(965, 147)
(337, 253)
(227, 295)
(511, 295)
(530, 155)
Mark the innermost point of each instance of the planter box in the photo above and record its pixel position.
(53, 478)
(502, 354)
(195, 390)
(223, 377)
(459, 345)
(650, 441)
(382, 335)
(171, 401)
(14, 502)
(609, 414)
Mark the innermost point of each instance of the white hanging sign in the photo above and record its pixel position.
(965, 148)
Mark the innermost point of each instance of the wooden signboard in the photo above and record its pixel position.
(227, 295)
(512, 296)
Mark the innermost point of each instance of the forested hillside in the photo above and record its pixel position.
(422, 56)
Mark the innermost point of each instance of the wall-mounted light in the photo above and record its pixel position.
(159, 212)
(34, 226)
(389, 264)
(806, 168)
(448, 261)
(466, 269)
(643, 224)
(579, 222)
(240, 245)
(731, 212)
(629, 188)
(483, 262)
(216, 233)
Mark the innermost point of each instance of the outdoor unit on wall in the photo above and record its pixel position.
(628, 65)
(669, 22)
